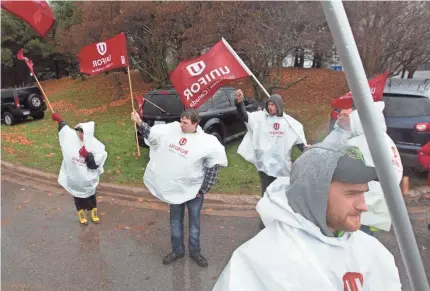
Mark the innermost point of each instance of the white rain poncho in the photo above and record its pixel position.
(178, 162)
(75, 176)
(292, 253)
(378, 214)
(270, 139)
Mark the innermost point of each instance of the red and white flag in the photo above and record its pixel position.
(376, 85)
(20, 56)
(38, 14)
(99, 57)
(198, 79)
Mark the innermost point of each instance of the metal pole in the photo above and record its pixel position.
(357, 81)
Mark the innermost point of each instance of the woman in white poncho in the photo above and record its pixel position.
(83, 160)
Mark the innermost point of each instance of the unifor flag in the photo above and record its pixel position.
(104, 56)
(38, 14)
(376, 85)
(198, 79)
(20, 56)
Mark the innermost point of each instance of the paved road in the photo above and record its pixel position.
(44, 247)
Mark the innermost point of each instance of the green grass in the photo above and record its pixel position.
(115, 130)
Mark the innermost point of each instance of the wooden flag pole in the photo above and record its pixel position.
(43, 92)
(132, 106)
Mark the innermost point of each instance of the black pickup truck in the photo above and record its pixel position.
(218, 115)
(19, 103)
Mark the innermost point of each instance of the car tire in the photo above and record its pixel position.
(34, 102)
(39, 116)
(217, 135)
(8, 118)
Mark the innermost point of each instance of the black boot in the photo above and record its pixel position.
(172, 257)
(199, 259)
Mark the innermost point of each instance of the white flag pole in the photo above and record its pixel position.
(357, 81)
(256, 80)
(245, 66)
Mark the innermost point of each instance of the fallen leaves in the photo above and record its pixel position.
(5, 221)
(122, 227)
(15, 138)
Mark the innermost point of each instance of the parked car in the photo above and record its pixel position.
(218, 115)
(19, 103)
(407, 115)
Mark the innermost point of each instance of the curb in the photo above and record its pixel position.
(213, 202)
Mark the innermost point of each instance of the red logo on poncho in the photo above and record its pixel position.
(352, 281)
(276, 126)
(182, 141)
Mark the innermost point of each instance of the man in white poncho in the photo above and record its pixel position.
(270, 139)
(312, 239)
(183, 167)
(83, 160)
(348, 130)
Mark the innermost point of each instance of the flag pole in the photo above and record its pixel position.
(357, 81)
(245, 66)
(43, 92)
(255, 79)
(132, 106)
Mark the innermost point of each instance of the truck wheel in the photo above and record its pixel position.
(8, 118)
(34, 102)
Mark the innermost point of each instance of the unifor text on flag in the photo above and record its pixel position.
(376, 86)
(198, 79)
(104, 56)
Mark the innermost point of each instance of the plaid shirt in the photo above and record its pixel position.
(145, 130)
(211, 174)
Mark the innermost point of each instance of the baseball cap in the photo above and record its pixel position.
(351, 168)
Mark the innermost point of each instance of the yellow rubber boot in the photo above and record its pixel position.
(94, 215)
(82, 217)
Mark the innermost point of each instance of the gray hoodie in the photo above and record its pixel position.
(277, 100)
(311, 177)
(295, 251)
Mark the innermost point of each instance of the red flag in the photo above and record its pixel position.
(140, 102)
(376, 85)
(20, 56)
(38, 14)
(198, 79)
(104, 56)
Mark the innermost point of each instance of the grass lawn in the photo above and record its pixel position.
(35, 143)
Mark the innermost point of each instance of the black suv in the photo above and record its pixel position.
(19, 103)
(407, 115)
(218, 115)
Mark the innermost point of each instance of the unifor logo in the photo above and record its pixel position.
(196, 69)
(101, 48)
(353, 281)
(276, 126)
(182, 141)
(394, 151)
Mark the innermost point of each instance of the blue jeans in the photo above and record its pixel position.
(177, 225)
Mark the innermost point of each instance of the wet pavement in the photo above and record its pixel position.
(45, 248)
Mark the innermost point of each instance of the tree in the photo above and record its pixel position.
(390, 34)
